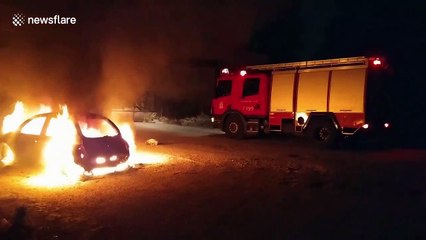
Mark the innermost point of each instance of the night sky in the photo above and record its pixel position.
(120, 49)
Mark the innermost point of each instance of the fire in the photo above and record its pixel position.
(137, 156)
(129, 136)
(7, 155)
(44, 109)
(12, 121)
(59, 166)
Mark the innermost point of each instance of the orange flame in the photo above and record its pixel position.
(11, 122)
(7, 155)
(137, 156)
(59, 166)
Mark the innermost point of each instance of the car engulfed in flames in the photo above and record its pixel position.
(100, 143)
(64, 146)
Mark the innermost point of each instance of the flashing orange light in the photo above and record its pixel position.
(365, 126)
(225, 71)
(243, 73)
(377, 62)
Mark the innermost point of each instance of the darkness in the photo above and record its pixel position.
(119, 50)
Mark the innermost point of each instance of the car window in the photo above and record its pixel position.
(96, 127)
(56, 126)
(34, 126)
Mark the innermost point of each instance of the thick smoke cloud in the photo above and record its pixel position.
(119, 50)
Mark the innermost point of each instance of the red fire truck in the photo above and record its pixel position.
(323, 99)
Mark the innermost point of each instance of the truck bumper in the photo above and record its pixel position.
(373, 134)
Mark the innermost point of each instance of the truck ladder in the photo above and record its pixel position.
(312, 64)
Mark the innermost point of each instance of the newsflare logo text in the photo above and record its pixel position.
(19, 19)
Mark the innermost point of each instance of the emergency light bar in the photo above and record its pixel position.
(226, 71)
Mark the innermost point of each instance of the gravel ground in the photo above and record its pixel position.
(212, 187)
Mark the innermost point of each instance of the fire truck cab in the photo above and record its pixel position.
(323, 99)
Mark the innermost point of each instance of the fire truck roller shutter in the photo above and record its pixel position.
(312, 92)
(281, 97)
(282, 91)
(347, 90)
(347, 96)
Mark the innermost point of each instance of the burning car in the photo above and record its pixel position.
(95, 140)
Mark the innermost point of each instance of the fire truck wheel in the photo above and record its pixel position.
(323, 132)
(234, 127)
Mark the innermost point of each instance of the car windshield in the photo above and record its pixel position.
(96, 127)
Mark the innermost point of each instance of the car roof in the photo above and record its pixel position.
(77, 114)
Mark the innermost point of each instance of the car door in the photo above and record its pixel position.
(30, 140)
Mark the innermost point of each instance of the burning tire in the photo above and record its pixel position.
(234, 126)
(323, 132)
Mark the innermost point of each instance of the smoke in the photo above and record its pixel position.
(124, 74)
(170, 49)
(122, 50)
(33, 70)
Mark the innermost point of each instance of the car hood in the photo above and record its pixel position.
(105, 146)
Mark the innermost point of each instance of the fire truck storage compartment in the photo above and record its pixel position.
(282, 91)
(312, 92)
(347, 90)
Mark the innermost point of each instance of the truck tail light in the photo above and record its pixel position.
(386, 125)
(243, 73)
(365, 126)
(225, 71)
(377, 62)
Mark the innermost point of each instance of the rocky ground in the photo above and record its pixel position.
(212, 187)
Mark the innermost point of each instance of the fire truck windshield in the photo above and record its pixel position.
(223, 88)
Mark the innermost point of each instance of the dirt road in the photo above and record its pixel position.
(212, 187)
